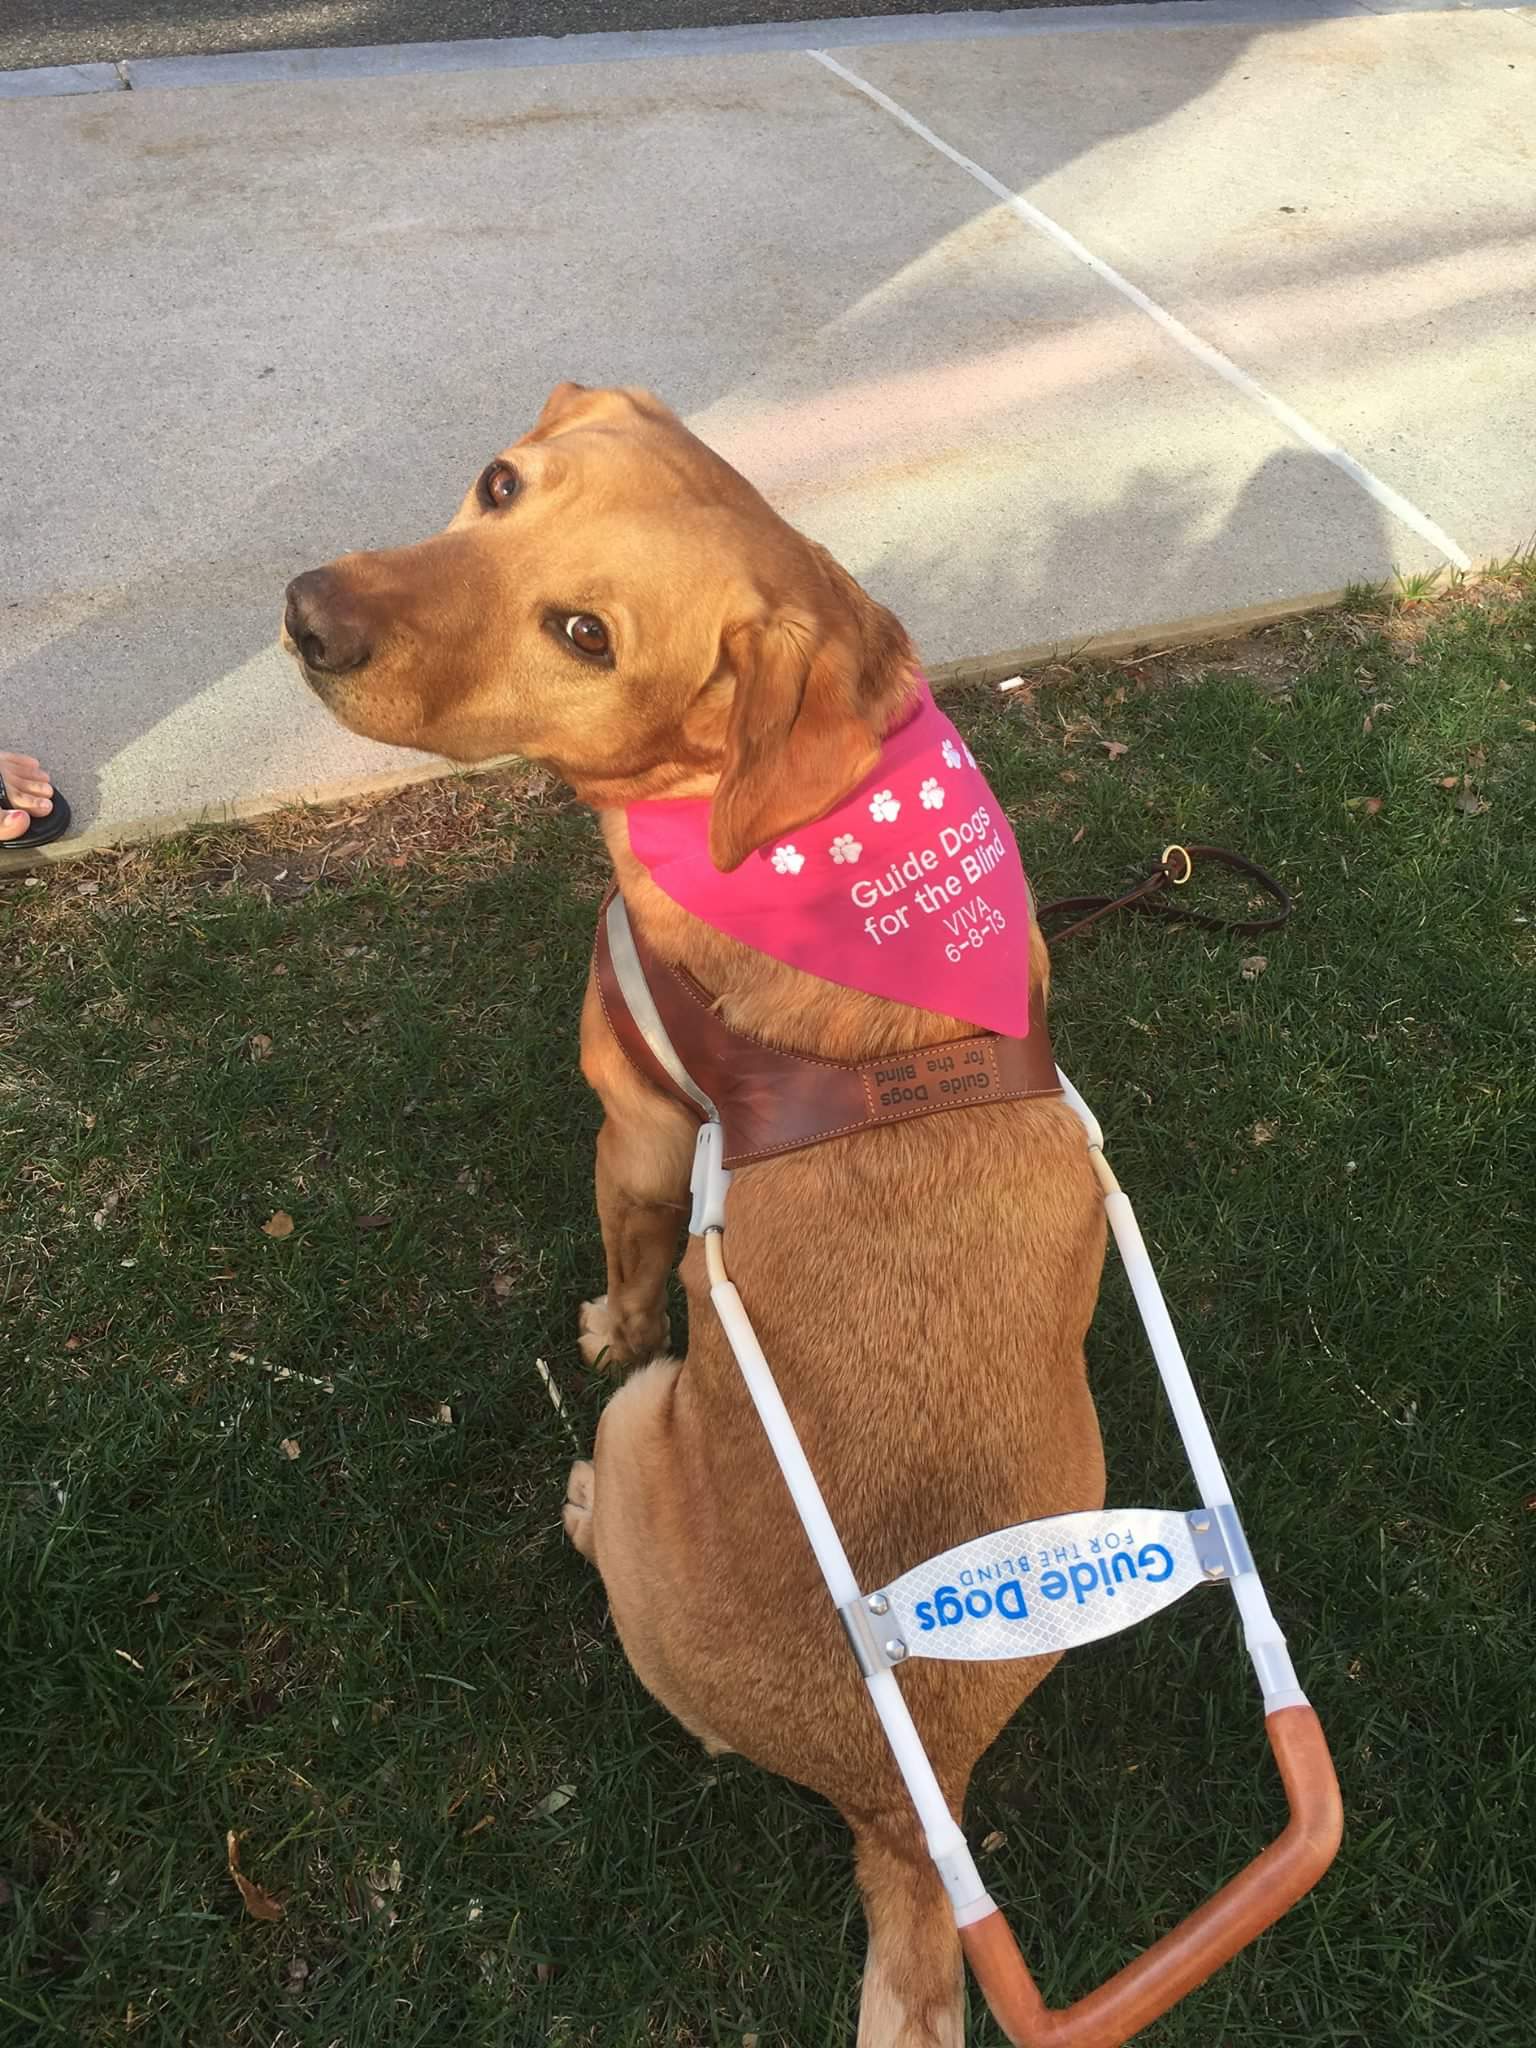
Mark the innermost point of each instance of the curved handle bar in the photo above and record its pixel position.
(1198, 1946)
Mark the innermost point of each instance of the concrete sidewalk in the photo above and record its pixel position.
(1259, 321)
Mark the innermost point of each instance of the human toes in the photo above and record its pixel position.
(27, 787)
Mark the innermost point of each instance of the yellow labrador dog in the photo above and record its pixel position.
(612, 599)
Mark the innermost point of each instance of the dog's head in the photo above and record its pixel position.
(612, 599)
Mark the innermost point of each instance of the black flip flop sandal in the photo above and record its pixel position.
(41, 830)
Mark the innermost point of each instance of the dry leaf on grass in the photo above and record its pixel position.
(1115, 748)
(553, 1801)
(289, 1447)
(261, 1045)
(1253, 966)
(258, 1903)
(996, 1840)
(279, 1224)
(1469, 803)
(377, 1886)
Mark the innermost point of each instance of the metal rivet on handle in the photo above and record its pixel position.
(896, 1649)
(1200, 1523)
(1215, 1571)
(878, 1604)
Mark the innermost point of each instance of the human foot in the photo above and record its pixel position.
(30, 808)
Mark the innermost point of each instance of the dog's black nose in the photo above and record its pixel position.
(326, 624)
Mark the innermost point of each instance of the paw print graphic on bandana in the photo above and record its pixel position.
(931, 794)
(883, 807)
(951, 754)
(786, 861)
(845, 849)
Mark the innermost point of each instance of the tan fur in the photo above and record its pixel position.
(922, 1290)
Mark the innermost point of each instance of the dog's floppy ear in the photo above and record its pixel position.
(568, 398)
(800, 733)
(559, 401)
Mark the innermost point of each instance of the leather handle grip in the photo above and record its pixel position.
(1253, 1900)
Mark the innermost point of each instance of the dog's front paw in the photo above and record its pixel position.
(597, 1337)
(580, 1497)
(608, 1340)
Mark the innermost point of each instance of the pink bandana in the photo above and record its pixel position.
(911, 888)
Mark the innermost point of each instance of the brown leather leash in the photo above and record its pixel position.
(1175, 868)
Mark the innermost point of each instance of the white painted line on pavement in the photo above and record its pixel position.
(1203, 352)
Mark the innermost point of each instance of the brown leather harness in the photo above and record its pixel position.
(770, 1101)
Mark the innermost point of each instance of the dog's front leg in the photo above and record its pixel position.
(644, 1160)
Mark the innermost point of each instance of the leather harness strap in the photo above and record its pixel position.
(770, 1101)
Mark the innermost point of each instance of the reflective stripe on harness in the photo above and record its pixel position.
(636, 991)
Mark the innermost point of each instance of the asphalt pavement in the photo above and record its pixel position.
(104, 31)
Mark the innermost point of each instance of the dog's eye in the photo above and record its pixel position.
(587, 633)
(500, 484)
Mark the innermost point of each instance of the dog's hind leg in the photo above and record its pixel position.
(914, 1978)
(626, 1513)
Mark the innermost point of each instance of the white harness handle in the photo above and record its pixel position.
(877, 1651)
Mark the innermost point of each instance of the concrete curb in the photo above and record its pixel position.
(50, 81)
(497, 53)
(1236, 624)
(951, 675)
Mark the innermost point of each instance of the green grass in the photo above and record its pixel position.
(378, 1656)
